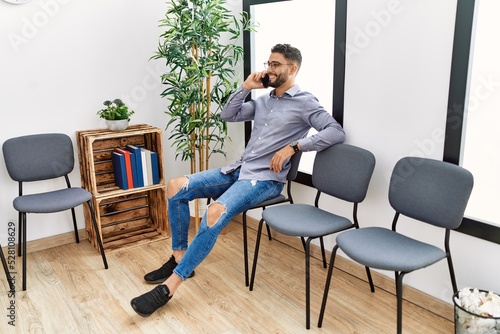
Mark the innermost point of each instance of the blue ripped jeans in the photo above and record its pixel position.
(235, 195)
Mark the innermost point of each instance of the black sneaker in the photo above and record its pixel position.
(161, 274)
(146, 304)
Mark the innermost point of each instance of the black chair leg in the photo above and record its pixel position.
(245, 244)
(75, 227)
(245, 247)
(98, 235)
(303, 243)
(268, 229)
(256, 254)
(19, 219)
(269, 236)
(370, 280)
(450, 262)
(308, 284)
(25, 254)
(399, 294)
(327, 286)
(323, 255)
(452, 274)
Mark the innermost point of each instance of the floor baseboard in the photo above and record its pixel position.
(54, 241)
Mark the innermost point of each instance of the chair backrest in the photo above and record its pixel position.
(38, 157)
(343, 171)
(431, 191)
(294, 168)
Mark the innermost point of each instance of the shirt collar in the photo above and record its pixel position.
(291, 91)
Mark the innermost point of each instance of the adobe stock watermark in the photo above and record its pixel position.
(150, 82)
(31, 26)
(484, 89)
(425, 148)
(363, 36)
(11, 266)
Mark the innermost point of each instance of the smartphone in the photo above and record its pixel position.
(265, 80)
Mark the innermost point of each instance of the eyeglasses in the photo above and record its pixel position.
(273, 64)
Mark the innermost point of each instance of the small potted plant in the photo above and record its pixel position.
(116, 114)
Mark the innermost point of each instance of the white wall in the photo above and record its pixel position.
(395, 105)
(60, 59)
(83, 52)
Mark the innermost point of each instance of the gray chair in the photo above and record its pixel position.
(342, 171)
(44, 157)
(425, 190)
(281, 198)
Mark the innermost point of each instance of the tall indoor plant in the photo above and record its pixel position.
(200, 49)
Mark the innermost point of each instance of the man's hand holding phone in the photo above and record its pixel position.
(256, 80)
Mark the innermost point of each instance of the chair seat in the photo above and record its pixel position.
(278, 199)
(382, 248)
(275, 200)
(304, 220)
(53, 201)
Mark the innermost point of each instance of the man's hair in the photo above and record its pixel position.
(290, 52)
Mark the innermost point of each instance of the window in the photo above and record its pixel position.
(304, 23)
(482, 118)
(473, 108)
(474, 93)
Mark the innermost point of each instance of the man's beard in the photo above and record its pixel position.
(280, 80)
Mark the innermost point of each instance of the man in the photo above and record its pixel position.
(282, 120)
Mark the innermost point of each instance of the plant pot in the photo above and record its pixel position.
(202, 208)
(117, 125)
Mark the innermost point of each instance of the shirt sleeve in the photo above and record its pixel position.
(236, 109)
(330, 132)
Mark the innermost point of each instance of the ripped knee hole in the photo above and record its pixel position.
(175, 185)
(215, 211)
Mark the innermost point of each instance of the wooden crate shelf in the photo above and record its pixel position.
(125, 217)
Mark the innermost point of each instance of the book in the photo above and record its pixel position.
(133, 164)
(155, 170)
(119, 170)
(148, 166)
(138, 175)
(144, 168)
(128, 166)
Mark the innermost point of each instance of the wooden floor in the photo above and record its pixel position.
(70, 292)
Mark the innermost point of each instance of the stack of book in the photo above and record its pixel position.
(135, 167)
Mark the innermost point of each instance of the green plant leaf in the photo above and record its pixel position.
(194, 48)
